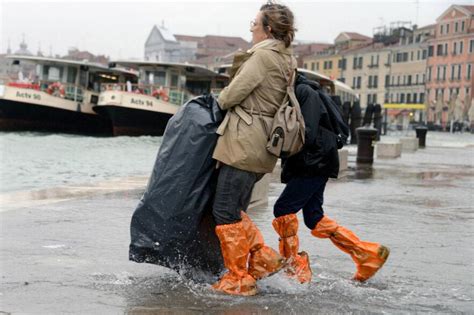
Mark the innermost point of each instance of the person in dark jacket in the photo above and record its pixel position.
(305, 175)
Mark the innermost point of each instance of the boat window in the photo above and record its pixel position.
(174, 80)
(38, 71)
(198, 87)
(221, 84)
(71, 75)
(155, 77)
(44, 73)
(83, 78)
(159, 78)
(55, 73)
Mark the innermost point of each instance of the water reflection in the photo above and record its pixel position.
(428, 175)
(362, 171)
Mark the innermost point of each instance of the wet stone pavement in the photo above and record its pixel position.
(70, 256)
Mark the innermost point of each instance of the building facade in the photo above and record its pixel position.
(162, 46)
(305, 50)
(330, 61)
(405, 83)
(8, 71)
(450, 63)
(329, 65)
(365, 71)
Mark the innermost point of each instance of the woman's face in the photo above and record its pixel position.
(257, 29)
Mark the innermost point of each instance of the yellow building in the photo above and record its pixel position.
(330, 61)
(329, 65)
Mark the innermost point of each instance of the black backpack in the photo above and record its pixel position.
(337, 124)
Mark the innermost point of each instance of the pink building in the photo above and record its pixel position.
(450, 63)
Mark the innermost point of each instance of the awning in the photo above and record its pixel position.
(404, 106)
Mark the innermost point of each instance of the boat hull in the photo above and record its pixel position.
(22, 116)
(133, 114)
(134, 122)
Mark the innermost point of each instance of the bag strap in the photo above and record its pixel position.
(290, 79)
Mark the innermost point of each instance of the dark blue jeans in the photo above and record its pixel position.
(233, 193)
(303, 193)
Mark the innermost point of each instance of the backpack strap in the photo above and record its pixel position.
(290, 79)
(290, 90)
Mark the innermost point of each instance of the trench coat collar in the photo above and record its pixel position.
(241, 57)
(271, 44)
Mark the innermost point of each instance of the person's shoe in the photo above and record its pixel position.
(235, 251)
(298, 262)
(264, 260)
(368, 257)
(366, 268)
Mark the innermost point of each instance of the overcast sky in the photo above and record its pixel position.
(120, 28)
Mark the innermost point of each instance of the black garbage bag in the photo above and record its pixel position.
(173, 225)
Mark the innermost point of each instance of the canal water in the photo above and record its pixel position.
(38, 160)
(71, 256)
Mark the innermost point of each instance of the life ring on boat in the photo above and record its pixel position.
(161, 94)
(56, 89)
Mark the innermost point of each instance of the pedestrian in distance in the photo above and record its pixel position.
(306, 175)
(255, 93)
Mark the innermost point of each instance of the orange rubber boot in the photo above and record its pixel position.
(264, 260)
(298, 263)
(368, 257)
(235, 251)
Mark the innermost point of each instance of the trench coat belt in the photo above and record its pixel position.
(243, 114)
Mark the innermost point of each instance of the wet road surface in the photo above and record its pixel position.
(70, 255)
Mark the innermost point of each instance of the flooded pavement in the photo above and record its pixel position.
(71, 255)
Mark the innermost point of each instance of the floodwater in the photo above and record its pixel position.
(69, 255)
(32, 160)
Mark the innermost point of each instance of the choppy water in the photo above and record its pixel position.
(37, 160)
(71, 256)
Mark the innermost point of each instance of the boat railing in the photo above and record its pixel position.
(174, 95)
(54, 88)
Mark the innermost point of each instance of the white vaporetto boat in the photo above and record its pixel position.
(145, 108)
(58, 96)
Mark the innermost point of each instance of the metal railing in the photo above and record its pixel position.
(54, 88)
(174, 95)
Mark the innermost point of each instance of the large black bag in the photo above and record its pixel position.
(172, 224)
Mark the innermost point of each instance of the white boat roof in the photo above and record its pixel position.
(190, 68)
(50, 60)
(315, 74)
(344, 86)
(324, 77)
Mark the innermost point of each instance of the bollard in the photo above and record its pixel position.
(365, 144)
(368, 115)
(378, 119)
(356, 119)
(346, 112)
(421, 135)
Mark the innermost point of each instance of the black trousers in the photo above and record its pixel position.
(233, 193)
(305, 193)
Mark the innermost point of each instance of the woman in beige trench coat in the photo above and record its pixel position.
(256, 91)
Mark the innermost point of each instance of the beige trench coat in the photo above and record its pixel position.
(252, 98)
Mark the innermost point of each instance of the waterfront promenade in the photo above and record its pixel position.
(65, 250)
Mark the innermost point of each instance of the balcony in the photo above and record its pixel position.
(373, 65)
